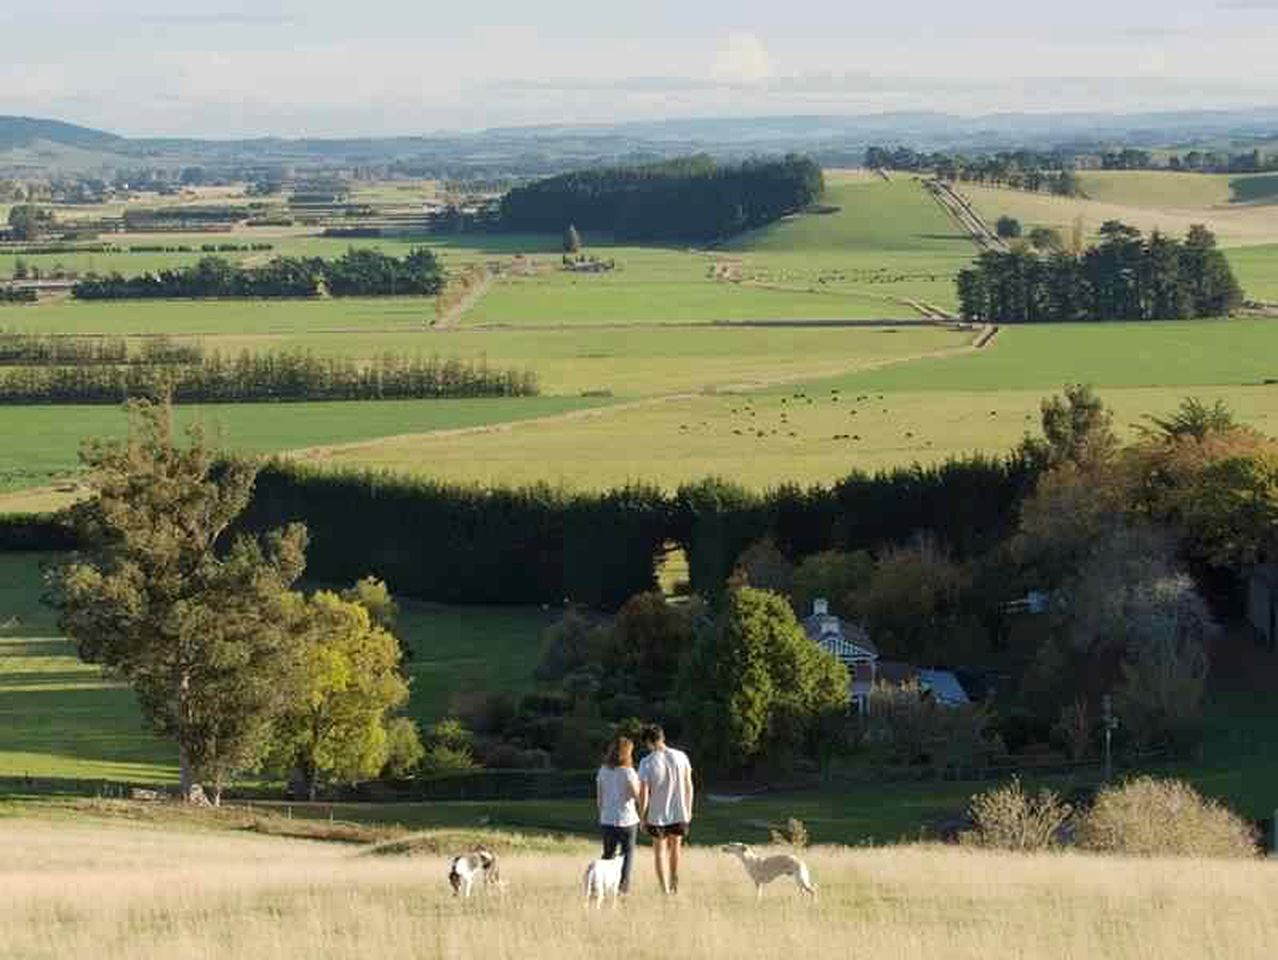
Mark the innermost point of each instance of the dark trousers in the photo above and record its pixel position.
(622, 838)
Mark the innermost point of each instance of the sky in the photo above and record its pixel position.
(232, 68)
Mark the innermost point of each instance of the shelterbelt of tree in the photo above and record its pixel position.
(1124, 277)
(692, 198)
(356, 273)
(295, 376)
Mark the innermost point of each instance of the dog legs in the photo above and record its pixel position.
(804, 880)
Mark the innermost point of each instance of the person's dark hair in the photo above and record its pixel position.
(652, 735)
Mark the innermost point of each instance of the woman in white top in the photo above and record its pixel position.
(617, 793)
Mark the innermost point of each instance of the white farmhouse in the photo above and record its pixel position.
(851, 644)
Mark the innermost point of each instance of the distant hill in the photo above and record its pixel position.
(27, 132)
(29, 145)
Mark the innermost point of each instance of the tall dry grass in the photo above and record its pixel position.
(112, 891)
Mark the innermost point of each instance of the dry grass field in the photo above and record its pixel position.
(114, 891)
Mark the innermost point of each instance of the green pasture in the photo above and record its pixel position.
(638, 360)
(214, 317)
(873, 215)
(459, 652)
(1234, 352)
(1257, 270)
(756, 440)
(60, 718)
(41, 442)
(890, 413)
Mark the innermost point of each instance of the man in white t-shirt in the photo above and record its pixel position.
(665, 803)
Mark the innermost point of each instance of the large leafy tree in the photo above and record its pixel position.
(348, 686)
(755, 687)
(164, 597)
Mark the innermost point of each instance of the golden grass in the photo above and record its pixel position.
(110, 891)
(1236, 225)
(689, 438)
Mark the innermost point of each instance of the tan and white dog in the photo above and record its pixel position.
(763, 870)
(465, 870)
(602, 879)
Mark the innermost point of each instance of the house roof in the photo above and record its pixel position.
(944, 686)
(847, 641)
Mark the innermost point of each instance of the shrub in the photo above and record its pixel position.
(448, 749)
(1008, 818)
(794, 833)
(911, 727)
(404, 750)
(1149, 817)
(1008, 227)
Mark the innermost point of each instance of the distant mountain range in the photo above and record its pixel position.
(30, 145)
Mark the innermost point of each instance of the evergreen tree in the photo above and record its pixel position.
(192, 618)
(755, 687)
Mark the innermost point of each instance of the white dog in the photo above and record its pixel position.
(464, 870)
(602, 879)
(763, 870)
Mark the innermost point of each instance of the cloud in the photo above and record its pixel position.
(742, 59)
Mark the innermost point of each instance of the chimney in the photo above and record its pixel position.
(820, 607)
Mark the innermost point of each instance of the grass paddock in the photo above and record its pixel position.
(109, 891)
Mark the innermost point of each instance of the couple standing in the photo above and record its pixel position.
(658, 797)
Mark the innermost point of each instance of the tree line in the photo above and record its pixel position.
(693, 198)
(357, 273)
(286, 376)
(539, 544)
(1032, 170)
(1124, 277)
(42, 249)
(37, 349)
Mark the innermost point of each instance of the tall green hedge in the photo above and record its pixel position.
(541, 544)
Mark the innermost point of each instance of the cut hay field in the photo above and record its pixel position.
(1165, 188)
(1239, 209)
(116, 891)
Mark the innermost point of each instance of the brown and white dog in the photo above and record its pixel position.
(464, 871)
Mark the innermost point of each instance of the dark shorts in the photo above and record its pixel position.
(659, 831)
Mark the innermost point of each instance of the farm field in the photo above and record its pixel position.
(41, 442)
(1257, 270)
(1142, 202)
(720, 436)
(1164, 188)
(127, 890)
(924, 410)
(656, 342)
